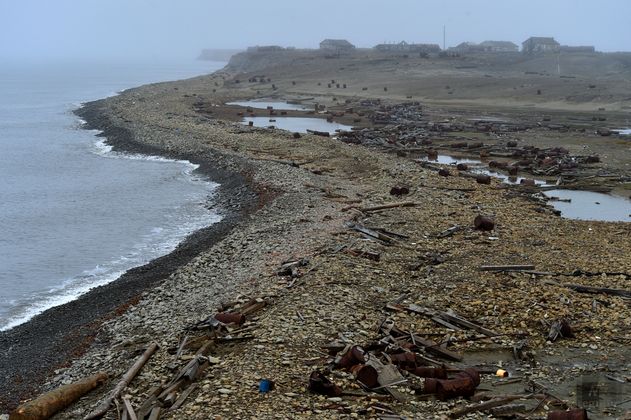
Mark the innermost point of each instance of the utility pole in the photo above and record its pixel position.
(559, 63)
(444, 30)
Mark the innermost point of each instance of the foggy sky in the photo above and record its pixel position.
(162, 29)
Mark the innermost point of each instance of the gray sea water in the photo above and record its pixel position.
(73, 214)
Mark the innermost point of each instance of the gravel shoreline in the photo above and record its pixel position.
(62, 333)
(308, 190)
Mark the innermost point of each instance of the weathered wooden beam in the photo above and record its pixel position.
(599, 290)
(102, 408)
(519, 267)
(46, 405)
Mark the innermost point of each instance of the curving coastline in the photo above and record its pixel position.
(62, 333)
(311, 187)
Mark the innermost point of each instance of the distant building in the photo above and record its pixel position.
(577, 49)
(408, 48)
(467, 48)
(336, 45)
(499, 46)
(265, 48)
(538, 44)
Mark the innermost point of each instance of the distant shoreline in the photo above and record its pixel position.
(62, 333)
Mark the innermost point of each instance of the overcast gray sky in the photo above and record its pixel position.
(160, 28)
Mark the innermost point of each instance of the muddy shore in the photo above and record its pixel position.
(308, 190)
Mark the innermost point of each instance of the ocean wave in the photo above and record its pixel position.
(191, 216)
(157, 242)
(102, 148)
(24, 311)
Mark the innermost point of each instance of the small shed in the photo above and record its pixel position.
(467, 48)
(499, 46)
(407, 47)
(336, 45)
(539, 44)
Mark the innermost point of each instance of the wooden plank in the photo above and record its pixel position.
(496, 402)
(599, 290)
(155, 413)
(129, 409)
(388, 206)
(447, 319)
(127, 378)
(433, 347)
(520, 267)
(467, 324)
(183, 396)
(372, 233)
(446, 324)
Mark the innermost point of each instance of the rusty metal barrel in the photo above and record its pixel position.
(483, 179)
(463, 385)
(366, 375)
(354, 356)
(230, 317)
(429, 372)
(485, 223)
(575, 414)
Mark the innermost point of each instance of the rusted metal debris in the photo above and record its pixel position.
(575, 414)
(429, 372)
(291, 268)
(354, 356)
(483, 179)
(463, 385)
(320, 384)
(560, 329)
(484, 223)
(399, 190)
(366, 375)
(230, 318)
(417, 342)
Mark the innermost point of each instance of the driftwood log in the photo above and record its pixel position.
(127, 378)
(496, 402)
(46, 405)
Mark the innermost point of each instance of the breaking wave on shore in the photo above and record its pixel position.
(187, 218)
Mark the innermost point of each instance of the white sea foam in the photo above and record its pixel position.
(102, 148)
(59, 296)
(159, 241)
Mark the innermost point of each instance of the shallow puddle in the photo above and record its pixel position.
(623, 131)
(579, 205)
(281, 106)
(478, 167)
(297, 124)
(582, 376)
(587, 205)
